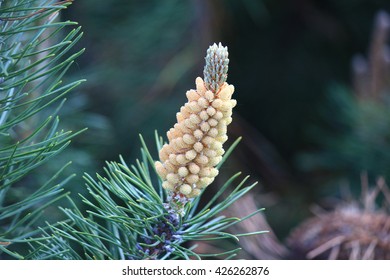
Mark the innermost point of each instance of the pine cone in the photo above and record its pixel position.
(187, 163)
(346, 233)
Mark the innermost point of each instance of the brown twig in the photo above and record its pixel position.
(336, 241)
(370, 75)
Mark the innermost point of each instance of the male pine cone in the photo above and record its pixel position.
(187, 163)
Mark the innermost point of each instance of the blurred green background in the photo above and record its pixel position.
(308, 127)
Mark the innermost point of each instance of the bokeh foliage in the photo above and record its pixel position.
(291, 66)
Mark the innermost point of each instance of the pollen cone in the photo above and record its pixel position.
(187, 162)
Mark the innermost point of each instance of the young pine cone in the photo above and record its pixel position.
(187, 163)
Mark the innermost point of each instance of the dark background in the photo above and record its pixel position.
(305, 135)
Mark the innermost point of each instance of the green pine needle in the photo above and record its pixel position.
(36, 53)
(127, 218)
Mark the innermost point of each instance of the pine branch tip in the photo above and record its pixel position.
(216, 67)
